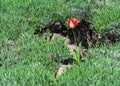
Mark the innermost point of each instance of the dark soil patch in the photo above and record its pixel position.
(0, 63)
(109, 39)
(82, 33)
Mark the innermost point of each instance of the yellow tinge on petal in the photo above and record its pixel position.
(71, 24)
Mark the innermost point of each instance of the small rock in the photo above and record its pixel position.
(62, 69)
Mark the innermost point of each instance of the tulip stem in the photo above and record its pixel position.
(74, 38)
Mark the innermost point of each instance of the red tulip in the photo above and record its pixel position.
(72, 23)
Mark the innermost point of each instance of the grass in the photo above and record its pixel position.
(34, 74)
(110, 21)
(27, 59)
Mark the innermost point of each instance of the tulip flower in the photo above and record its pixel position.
(72, 23)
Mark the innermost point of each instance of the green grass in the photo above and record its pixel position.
(34, 74)
(108, 19)
(27, 58)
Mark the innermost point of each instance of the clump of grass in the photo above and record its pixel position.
(28, 49)
(34, 74)
(106, 20)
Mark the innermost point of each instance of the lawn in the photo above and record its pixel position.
(33, 35)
